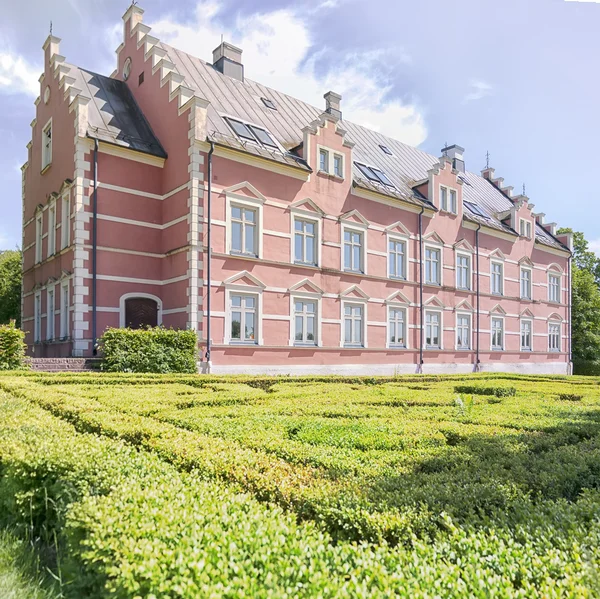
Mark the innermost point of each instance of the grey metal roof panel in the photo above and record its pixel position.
(542, 236)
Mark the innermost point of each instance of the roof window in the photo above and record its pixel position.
(269, 103)
(374, 174)
(252, 133)
(385, 150)
(475, 209)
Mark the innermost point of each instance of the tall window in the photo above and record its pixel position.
(353, 324)
(47, 145)
(453, 201)
(323, 160)
(51, 229)
(338, 166)
(37, 317)
(305, 241)
(305, 322)
(243, 318)
(39, 222)
(525, 283)
(525, 228)
(443, 198)
(397, 327)
(65, 222)
(554, 288)
(554, 336)
(497, 280)
(526, 335)
(64, 310)
(50, 314)
(463, 271)
(463, 331)
(497, 333)
(353, 250)
(396, 259)
(432, 330)
(243, 230)
(432, 266)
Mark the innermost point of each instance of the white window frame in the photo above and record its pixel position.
(558, 277)
(247, 204)
(396, 238)
(499, 263)
(316, 315)
(65, 221)
(243, 290)
(64, 309)
(39, 234)
(469, 257)
(524, 348)
(554, 323)
(51, 248)
(525, 228)
(50, 313)
(362, 304)
(503, 332)
(401, 308)
(469, 346)
(440, 313)
(530, 271)
(330, 166)
(354, 228)
(37, 317)
(47, 148)
(447, 205)
(317, 238)
(438, 248)
(126, 296)
(243, 311)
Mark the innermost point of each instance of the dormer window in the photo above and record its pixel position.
(448, 199)
(331, 162)
(525, 228)
(252, 133)
(374, 174)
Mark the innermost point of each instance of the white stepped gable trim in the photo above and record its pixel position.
(244, 275)
(397, 298)
(306, 283)
(354, 289)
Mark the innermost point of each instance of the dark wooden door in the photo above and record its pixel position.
(141, 312)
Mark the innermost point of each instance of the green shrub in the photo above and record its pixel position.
(12, 347)
(157, 350)
(586, 367)
(570, 397)
(480, 390)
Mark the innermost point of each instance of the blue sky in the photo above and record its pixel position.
(518, 79)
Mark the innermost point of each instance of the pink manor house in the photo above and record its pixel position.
(177, 192)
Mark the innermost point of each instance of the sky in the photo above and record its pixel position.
(516, 79)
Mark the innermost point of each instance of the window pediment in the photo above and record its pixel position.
(306, 286)
(245, 190)
(354, 292)
(244, 278)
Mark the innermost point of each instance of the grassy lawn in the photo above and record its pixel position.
(190, 486)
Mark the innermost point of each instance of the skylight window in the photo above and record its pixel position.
(382, 177)
(240, 129)
(262, 136)
(252, 133)
(374, 174)
(385, 150)
(269, 103)
(475, 209)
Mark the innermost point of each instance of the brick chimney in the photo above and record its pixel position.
(227, 59)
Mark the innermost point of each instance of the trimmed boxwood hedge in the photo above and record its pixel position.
(12, 347)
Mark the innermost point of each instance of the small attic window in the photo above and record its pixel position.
(382, 177)
(269, 103)
(475, 209)
(385, 150)
(252, 133)
(240, 129)
(262, 136)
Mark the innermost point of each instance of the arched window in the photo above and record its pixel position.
(141, 312)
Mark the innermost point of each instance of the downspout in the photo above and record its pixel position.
(477, 361)
(94, 249)
(569, 316)
(420, 368)
(208, 251)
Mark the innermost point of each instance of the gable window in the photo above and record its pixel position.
(65, 222)
(51, 229)
(526, 335)
(497, 278)
(243, 317)
(447, 199)
(251, 133)
(397, 327)
(338, 165)
(243, 230)
(305, 241)
(397, 259)
(554, 336)
(374, 174)
(497, 334)
(463, 331)
(39, 222)
(353, 250)
(331, 162)
(305, 322)
(525, 283)
(50, 313)
(323, 160)
(37, 317)
(64, 310)
(453, 208)
(353, 325)
(432, 266)
(443, 198)
(47, 145)
(554, 288)
(525, 228)
(463, 271)
(432, 330)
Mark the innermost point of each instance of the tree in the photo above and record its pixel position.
(10, 286)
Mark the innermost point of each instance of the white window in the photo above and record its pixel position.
(50, 313)
(47, 145)
(396, 259)
(433, 330)
(397, 327)
(305, 241)
(453, 208)
(525, 228)
(65, 222)
(554, 288)
(39, 224)
(554, 336)
(305, 322)
(244, 230)
(497, 333)
(526, 335)
(497, 278)
(37, 317)
(64, 310)
(353, 325)
(525, 283)
(463, 271)
(443, 198)
(324, 160)
(338, 165)
(353, 250)
(331, 162)
(463, 331)
(243, 310)
(51, 229)
(432, 266)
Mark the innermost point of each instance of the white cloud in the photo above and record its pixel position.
(278, 53)
(17, 75)
(478, 89)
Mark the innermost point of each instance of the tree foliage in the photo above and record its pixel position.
(10, 286)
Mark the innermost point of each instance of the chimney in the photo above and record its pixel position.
(332, 104)
(455, 153)
(227, 59)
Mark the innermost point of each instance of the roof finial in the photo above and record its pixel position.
(221, 38)
(524, 189)
(445, 148)
(50, 27)
(487, 160)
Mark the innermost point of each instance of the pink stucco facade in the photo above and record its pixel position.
(151, 242)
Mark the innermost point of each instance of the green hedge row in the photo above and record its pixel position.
(157, 350)
(482, 390)
(12, 347)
